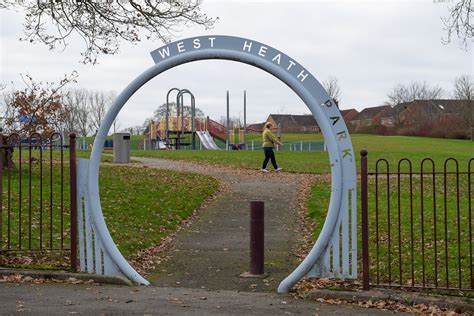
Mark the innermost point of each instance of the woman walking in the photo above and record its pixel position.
(269, 141)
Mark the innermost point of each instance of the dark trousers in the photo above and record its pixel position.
(269, 155)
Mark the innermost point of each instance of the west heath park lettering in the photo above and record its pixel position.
(257, 49)
(246, 46)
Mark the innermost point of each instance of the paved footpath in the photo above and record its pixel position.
(214, 250)
(55, 299)
(206, 259)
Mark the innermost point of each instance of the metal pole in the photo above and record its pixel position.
(227, 123)
(245, 120)
(279, 134)
(257, 238)
(301, 146)
(178, 111)
(2, 157)
(252, 145)
(167, 128)
(193, 115)
(365, 220)
(182, 115)
(73, 199)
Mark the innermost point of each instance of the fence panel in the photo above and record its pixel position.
(35, 212)
(419, 224)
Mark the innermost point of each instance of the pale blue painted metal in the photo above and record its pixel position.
(93, 256)
(305, 85)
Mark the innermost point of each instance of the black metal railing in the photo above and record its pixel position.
(37, 217)
(417, 224)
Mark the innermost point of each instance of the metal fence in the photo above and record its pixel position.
(417, 224)
(37, 207)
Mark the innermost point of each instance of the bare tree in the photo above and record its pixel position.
(414, 91)
(464, 90)
(69, 113)
(161, 111)
(80, 99)
(138, 130)
(459, 22)
(234, 121)
(333, 89)
(83, 121)
(98, 101)
(103, 25)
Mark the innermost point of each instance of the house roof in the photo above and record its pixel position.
(349, 114)
(370, 113)
(345, 112)
(256, 126)
(290, 119)
(436, 107)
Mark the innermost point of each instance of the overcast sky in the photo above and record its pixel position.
(370, 46)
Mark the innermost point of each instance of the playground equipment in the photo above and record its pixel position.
(179, 126)
(174, 129)
(230, 132)
(335, 252)
(206, 140)
(171, 131)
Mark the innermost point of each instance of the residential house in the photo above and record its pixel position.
(257, 127)
(294, 123)
(349, 115)
(374, 116)
(418, 111)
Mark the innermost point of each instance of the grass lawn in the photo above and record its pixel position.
(392, 148)
(418, 247)
(141, 205)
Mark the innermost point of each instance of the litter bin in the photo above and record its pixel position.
(121, 147)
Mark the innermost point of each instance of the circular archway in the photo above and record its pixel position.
(342, 207)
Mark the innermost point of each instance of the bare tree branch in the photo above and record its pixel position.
(333, 89)
(414, 91)
(464, 90)
(37, 107)
(103, 25)
(459, 22)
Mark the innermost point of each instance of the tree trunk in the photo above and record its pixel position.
(6, 153)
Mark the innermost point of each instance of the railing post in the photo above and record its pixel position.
(365, 220)
(2, 157)
(257, 229)
(73, 199)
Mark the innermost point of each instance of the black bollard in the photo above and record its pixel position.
(257, 229)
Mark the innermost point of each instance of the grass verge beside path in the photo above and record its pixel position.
(141, 205)
(392, 148)
(418, 247)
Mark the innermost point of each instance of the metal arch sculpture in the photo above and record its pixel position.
(324, 257)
